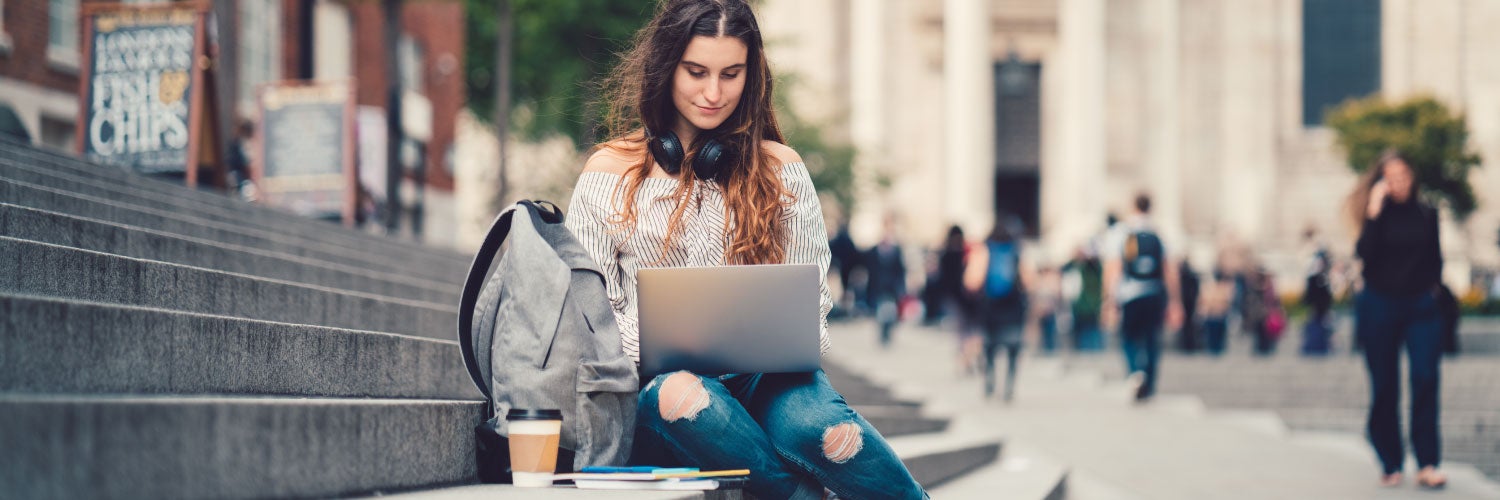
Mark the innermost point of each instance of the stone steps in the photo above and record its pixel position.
(58, 346)
(165, 342)
(1472, 439)
(1333, 395)
(89, 178)
(55, 271)
(141, 243)
(185, 224)
(1020, 474)
(240, 214)
(102, 446)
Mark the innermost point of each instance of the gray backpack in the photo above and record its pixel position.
(539, 333)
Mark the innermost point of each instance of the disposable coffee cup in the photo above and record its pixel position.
(533, 446)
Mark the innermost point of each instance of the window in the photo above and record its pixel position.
(409, 54)
(260, 46)
(58, 133)
(62, 33)
(4, 37)
(1340, 54)
(1018, 141)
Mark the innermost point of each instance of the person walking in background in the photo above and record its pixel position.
(949, 290)
(996, 277)
(1270, 316)
(238, 159)
(886, 281)
(1088, 273)
(1188, 340)
(1403, 264)
(696, 173)
(846, 258)
(1140, 283)
(1046, 300)
(947, 284)
(1317, 295)
(1215, 304)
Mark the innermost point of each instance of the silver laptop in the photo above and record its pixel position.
(732, 319)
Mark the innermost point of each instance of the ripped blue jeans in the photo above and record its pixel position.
(792, 430)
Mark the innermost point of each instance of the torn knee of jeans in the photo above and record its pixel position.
(841, 442)
(681, 396)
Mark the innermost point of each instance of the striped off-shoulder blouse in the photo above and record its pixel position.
(701, 243)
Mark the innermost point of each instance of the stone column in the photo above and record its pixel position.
(1162, 154)
(1482, 84)
(1395, 47)
(1248, 128)
(969, 105)
(1073, 187)
(867, 88)
(867, 113)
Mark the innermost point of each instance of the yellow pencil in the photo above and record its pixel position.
(708, 473)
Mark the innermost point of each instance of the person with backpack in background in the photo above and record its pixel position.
(695, 172)
(999, 282)
(1140, 286)
(1086, 275)
(886, 284)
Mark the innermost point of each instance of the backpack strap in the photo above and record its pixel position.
(479, 370)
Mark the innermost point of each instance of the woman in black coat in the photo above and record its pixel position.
(1403, 263)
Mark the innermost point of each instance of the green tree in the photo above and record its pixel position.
(1433, 139)
(830, 164)
(560, 47)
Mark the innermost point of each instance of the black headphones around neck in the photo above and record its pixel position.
(669, 152)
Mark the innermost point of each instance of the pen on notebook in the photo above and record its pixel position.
(711, 473)
(644, 469)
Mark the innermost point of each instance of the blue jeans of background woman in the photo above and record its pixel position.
(776, 425)
(1385, 323)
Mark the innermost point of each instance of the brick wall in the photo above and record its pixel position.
(438, 28)
(27, 23)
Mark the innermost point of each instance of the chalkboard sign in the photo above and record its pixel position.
(306, 155)
(142, 86)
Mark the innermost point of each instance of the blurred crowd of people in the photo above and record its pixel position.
(1130, 286)
(1236, 297)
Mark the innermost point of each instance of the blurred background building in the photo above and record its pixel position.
(1055, 110)
(1060, 110)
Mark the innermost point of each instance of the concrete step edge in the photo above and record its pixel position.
(269, 238)
(155, 351)
(436, 288)
(68, 162)
(282, 223)
(50, 266)
(230, 447)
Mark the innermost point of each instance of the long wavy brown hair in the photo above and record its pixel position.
(638, 99)
(1358, 201)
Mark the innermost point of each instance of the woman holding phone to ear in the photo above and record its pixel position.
(1403, 263)
(696, 173)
